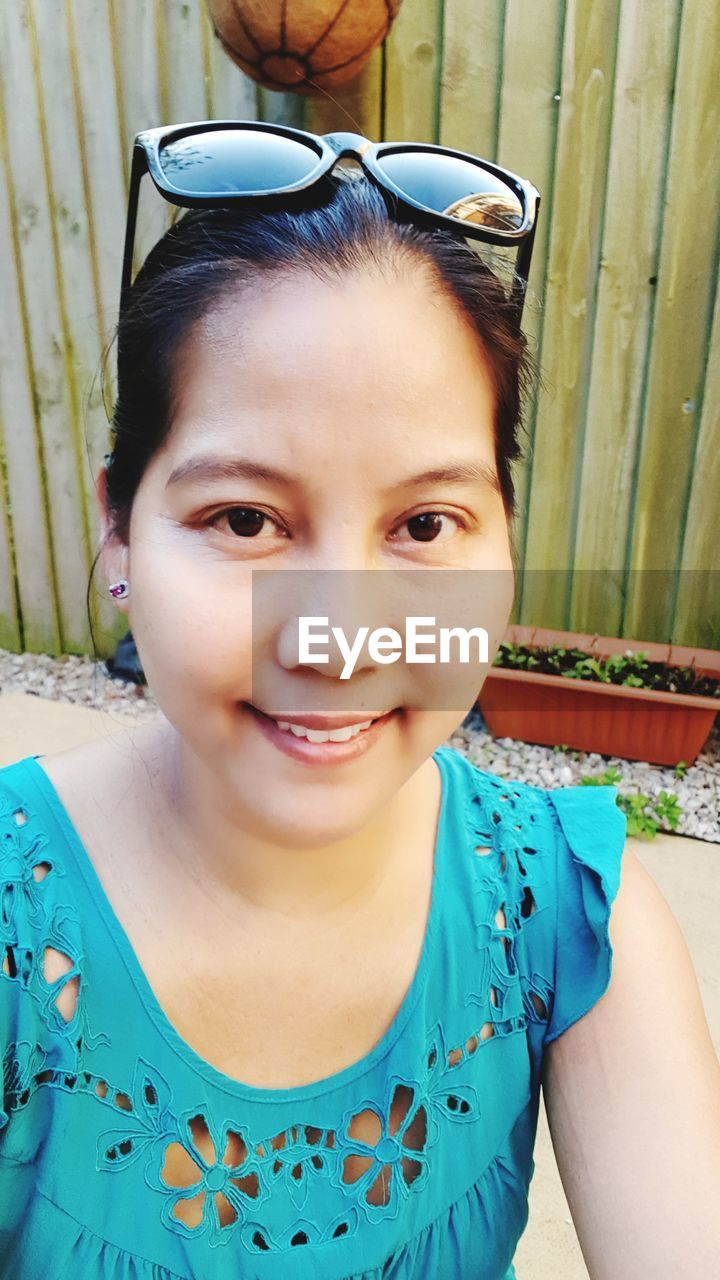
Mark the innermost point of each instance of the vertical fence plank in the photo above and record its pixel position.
(356, 108)
(697, 611)
(91, 35)
(137, 64)
(140, 92)
(21, 434)
(532, 49)
(579, 187)
(49, 348)
(94, 200)
(10, 633)
(280, 108)
(19, 429)
(232, 95)
(641, 113)
(682, 318)
(413, 51)
(471, 75)
(78, 267)
(181, 62)
(92, 32)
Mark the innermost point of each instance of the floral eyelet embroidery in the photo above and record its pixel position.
(507, 869)
(392, 1160)
(226, 1178)
(24, 867)
(213, 1195)
(296, 1157)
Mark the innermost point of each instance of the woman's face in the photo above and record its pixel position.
(349, 387)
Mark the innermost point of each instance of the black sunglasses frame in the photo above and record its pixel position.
(329, 148)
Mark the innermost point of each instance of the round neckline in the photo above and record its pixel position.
(166, 1028)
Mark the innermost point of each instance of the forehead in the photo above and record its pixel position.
(295, 355)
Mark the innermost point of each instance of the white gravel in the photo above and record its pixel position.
(72, 679)
(698, 792)
(81, 680)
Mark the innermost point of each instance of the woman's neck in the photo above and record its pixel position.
(204, 841)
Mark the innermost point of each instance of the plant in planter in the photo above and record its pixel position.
(632, 669)
(593, 693)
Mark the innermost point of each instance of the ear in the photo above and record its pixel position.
(114, 554)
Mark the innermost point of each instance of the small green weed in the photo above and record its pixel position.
(645, 815)
(631, 668)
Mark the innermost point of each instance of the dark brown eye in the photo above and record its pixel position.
(244, 522)
(425, 527)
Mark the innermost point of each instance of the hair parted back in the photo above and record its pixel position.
(341, 226)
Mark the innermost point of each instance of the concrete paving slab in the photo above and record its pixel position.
(687, 872)
(30, 725)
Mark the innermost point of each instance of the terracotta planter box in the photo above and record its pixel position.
(613, 720)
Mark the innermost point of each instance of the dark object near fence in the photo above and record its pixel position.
(125, 663)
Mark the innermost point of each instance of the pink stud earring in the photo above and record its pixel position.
(119, 590)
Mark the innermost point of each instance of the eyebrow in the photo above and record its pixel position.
(206, 467)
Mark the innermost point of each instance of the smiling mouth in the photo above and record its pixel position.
(316, 728)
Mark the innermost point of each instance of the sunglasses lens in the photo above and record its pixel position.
(236, 160)
(458, 188)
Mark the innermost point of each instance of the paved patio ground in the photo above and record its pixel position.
(549, 1248)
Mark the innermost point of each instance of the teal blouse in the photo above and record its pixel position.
(516, 949)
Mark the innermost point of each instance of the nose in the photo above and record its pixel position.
(349, 599)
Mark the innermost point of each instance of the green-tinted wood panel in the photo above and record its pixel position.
(31, 614)
(696, 605)
(413, 53)
(686, 286)
(10, 634)
(588, 67)
(356, 108)
(472, 73)
(48, 347)
(611, 110)
(528, 122)
(625, 303)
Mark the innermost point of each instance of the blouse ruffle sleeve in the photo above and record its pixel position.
(590, 843)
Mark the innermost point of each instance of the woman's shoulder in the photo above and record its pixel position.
(73, 792)
(551, 858)
(41, 936)
(585, 820)
(535, 820)
(53, 808)
(82, 769)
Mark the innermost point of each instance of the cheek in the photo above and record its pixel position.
(494, 589)
(192, 625)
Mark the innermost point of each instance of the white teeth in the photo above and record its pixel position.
(321, 735)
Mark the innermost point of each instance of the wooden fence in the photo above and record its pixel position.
(611, 109)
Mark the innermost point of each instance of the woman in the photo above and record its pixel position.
(274, 1004)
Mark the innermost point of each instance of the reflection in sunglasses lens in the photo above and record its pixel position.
(455, 187)
(235, 160)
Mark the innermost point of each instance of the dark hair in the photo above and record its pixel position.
(342, 225)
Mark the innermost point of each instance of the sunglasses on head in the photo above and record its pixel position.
(226, 162)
